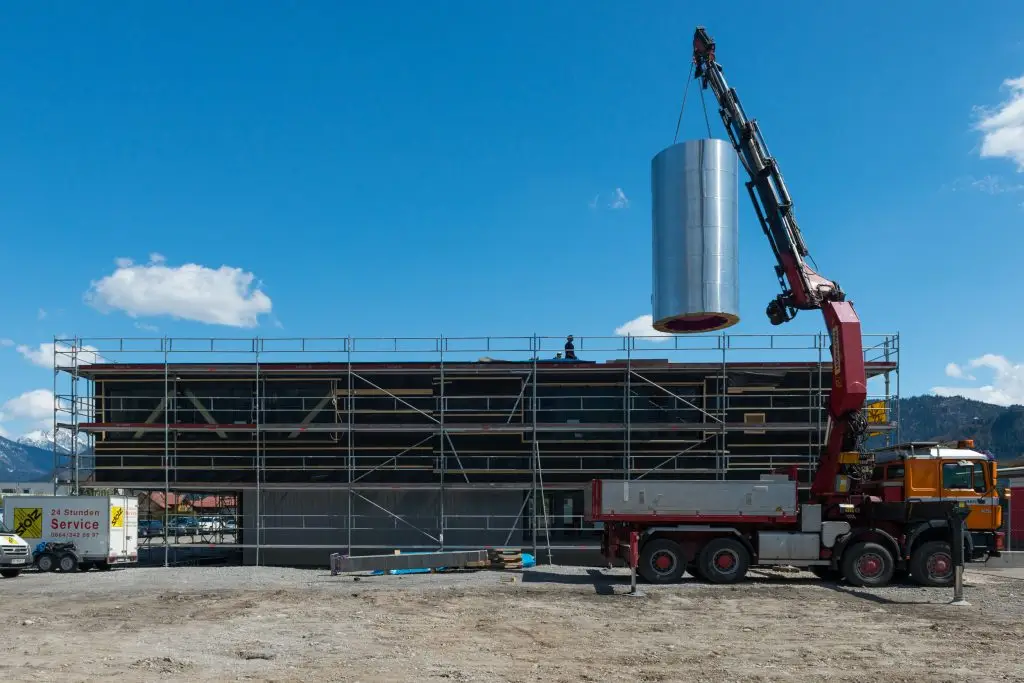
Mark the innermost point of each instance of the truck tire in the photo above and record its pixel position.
(68, 563)
(723, 560)
(661, 561)
(9, 573)
(931, 564)
(868, 564)
(46, 562)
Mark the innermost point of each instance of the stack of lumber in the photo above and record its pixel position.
(505, 558)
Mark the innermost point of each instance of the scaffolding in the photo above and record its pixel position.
(478, 437)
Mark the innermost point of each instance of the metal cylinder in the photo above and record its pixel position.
(695, 215)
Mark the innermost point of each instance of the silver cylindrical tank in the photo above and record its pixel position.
(695, 214)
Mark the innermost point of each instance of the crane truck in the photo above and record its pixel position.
(716, 530)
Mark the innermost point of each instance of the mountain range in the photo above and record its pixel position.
(30, 458)
(996, 429)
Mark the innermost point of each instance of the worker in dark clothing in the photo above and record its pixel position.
(570, 350)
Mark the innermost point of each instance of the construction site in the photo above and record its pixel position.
(682, 504)
(370, 445)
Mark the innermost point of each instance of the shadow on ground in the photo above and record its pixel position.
(612, 583)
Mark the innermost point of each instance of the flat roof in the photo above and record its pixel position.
(227, 369)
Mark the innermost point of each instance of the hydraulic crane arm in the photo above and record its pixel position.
(802, 287)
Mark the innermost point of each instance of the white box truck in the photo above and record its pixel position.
(73, 533)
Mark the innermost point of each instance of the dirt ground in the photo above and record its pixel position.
(550, 624)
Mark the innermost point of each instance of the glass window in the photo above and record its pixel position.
(964, 475)
(878, 473)
(957, 476)
(896, 472)
(980, 480)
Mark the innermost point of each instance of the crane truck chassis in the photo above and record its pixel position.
(717, 530)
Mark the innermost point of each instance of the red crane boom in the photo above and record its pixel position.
(802, 287)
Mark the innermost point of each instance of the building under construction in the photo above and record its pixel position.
(369, 445)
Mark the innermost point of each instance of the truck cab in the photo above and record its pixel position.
(14, 553)
(937, 471)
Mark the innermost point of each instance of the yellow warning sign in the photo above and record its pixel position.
(117, 517)
(877, 414)
(28, 522)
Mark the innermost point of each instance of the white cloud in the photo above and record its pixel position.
(6, 342)
(956, 372)
(43, 355)
(41, 313)
(222, 296)
(1006, 388)
(146, 327)
(33, 409)
(619, 200)
(1002, 127)
(34, 406)
(642, 326)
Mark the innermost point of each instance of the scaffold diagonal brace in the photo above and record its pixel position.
(160, 407)
(204, 412)
(392, 514)
(674, 395)
(312, 415)
(397, 398)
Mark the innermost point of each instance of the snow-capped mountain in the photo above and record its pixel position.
(24, 462)
(44, 439)
(30, 458)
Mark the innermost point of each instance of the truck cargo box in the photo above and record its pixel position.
(771, 496)
(103, 528)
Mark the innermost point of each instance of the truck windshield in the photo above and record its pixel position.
(964, 475)
(4, 529)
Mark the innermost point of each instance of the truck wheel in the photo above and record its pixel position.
(723, 560)
(68, 563)
(868, 564)
(9, 573)
(661, 561)
(931, 564)
(46, 562)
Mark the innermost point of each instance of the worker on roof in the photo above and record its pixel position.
(570, 350)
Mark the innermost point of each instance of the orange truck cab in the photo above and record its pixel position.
(925, 471)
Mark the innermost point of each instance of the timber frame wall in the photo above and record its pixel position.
(356, 415)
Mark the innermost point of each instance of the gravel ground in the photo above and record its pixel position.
(551, 624)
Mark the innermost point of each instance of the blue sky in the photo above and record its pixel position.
(431, 168)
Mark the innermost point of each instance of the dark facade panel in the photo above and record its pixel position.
(421, 423)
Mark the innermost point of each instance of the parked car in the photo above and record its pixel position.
(183, 526)
(150, 527)
(208, 524)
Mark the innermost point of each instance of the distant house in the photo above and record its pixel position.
(152, 505)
